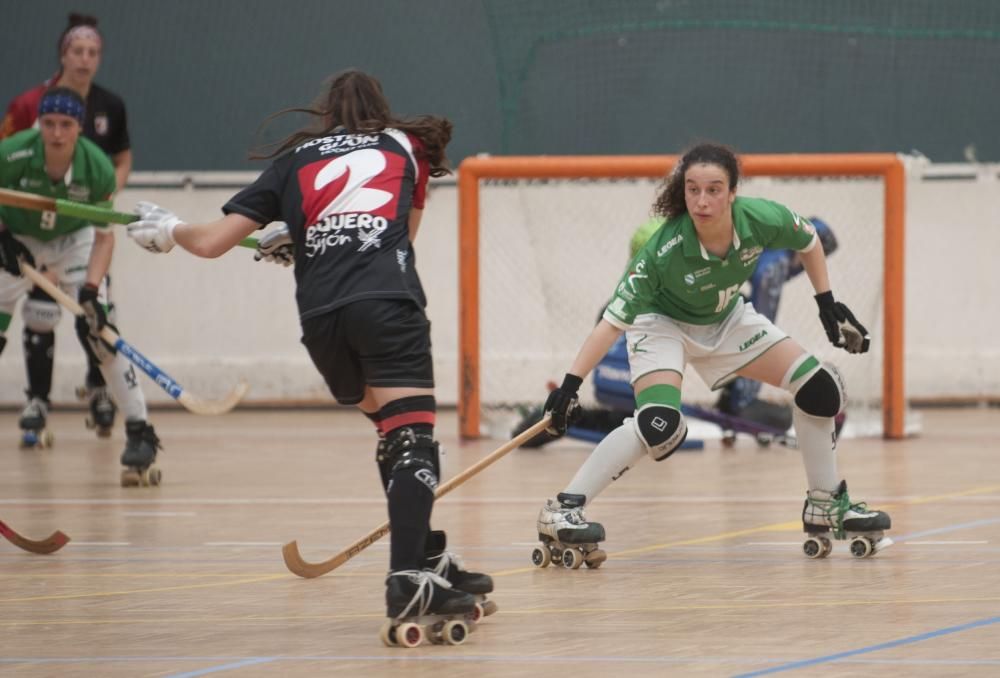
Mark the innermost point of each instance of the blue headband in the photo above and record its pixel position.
(61, 103)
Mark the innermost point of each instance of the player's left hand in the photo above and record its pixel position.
(93, 310)
(842, 328)
(154, 230)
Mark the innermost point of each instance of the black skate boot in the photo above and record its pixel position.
(566, 535)
(825, 512)
(450, 566)
(141, 444)
(32, 423)
(420, 604)
(102, 411)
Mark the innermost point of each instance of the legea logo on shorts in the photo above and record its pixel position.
(753, 340)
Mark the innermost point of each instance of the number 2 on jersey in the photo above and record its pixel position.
(361, 167)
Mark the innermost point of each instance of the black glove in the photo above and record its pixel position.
(10, 249)
(842, 328)
(93, 310)
(563, 405)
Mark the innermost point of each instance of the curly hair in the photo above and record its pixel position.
(670, 200)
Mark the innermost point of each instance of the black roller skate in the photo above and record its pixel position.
(32, 423)
(102, 409)
(826, 512)
(421, 605)
(141, 444)
(566, 536)
(450, 566)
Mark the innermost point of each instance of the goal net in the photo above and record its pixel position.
(544, 241)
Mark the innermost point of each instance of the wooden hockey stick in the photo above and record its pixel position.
(50, 544)
(290, 551)
(79, 210)
(189, 401)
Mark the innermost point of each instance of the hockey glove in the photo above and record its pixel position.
(154, 230)
(96, 319)
(10, 249)
(563, 405)
(842, 328)
(276, 247)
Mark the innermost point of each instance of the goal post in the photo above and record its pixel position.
(475, 172)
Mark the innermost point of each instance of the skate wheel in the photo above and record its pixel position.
(151, 476)
(816, 547)
(388, 634)
(728, 438)
(594, 559)
(476, 614)
(541, 557)
(861, 547)
(130, 478)
(489, 608)
(454, 632)
(572, 559)
(764, 439)
(409, 634)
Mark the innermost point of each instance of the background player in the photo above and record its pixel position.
(105, 123)
(711, 232)
(57, 162)
(351, 192)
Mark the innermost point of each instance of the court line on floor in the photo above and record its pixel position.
(910, 640)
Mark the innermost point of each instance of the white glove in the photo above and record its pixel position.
(276, 247)
(154, 230)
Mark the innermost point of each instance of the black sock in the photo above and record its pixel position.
(39, 349)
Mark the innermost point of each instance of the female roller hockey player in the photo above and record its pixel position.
(679, 302)
(57, 162)
(351, 192)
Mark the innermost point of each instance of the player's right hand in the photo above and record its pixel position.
(154, 231)
(10, 250)
(276, 247)
(563, 405)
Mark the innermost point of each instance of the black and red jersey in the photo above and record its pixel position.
(346, 199)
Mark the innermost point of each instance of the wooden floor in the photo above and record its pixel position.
(706, 576)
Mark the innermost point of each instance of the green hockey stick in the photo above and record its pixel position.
(79, 210)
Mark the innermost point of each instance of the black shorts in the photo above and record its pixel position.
(375, 342)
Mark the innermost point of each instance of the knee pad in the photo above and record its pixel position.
(403, 449)
(41, 315)
(823, 394)
(661, 428)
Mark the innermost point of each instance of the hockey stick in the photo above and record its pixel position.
(190, 402)
(50, 544)
(79, 210)
(290, 551)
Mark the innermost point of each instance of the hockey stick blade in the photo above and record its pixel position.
(161, 378)
(79, 210)
(290, 551)
(50, 544)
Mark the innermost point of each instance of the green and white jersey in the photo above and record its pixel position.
(90, 179)
(673, 274)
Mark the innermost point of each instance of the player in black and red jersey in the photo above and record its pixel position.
(351, 192)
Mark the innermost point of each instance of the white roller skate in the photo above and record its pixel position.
(141, 444)
(450, 566)
(32, 423)
(567, 538)
(825, 512)
(420, 606)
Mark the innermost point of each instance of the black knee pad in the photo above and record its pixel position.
(403, 449)
(823, 395)
(661, 428)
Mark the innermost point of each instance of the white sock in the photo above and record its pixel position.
(123, 383)
(818, 446)
(618, 452)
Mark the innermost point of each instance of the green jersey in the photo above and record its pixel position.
(91, 179)
(673, 274)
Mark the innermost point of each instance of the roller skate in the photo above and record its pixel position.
(566, 536)
(420, 606)
(826, 512)
(141, 444)
(102, 409)
(32, 423)
(450, 566)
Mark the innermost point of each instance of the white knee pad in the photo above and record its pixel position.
(661, 428)
(40, 316)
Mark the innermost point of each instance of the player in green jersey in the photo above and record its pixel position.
(679, 303)
(57, 162)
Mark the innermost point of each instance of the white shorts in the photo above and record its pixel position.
(717, 352)
(67, 257)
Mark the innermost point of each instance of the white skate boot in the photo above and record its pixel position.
(566, 535)
(825, 512)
